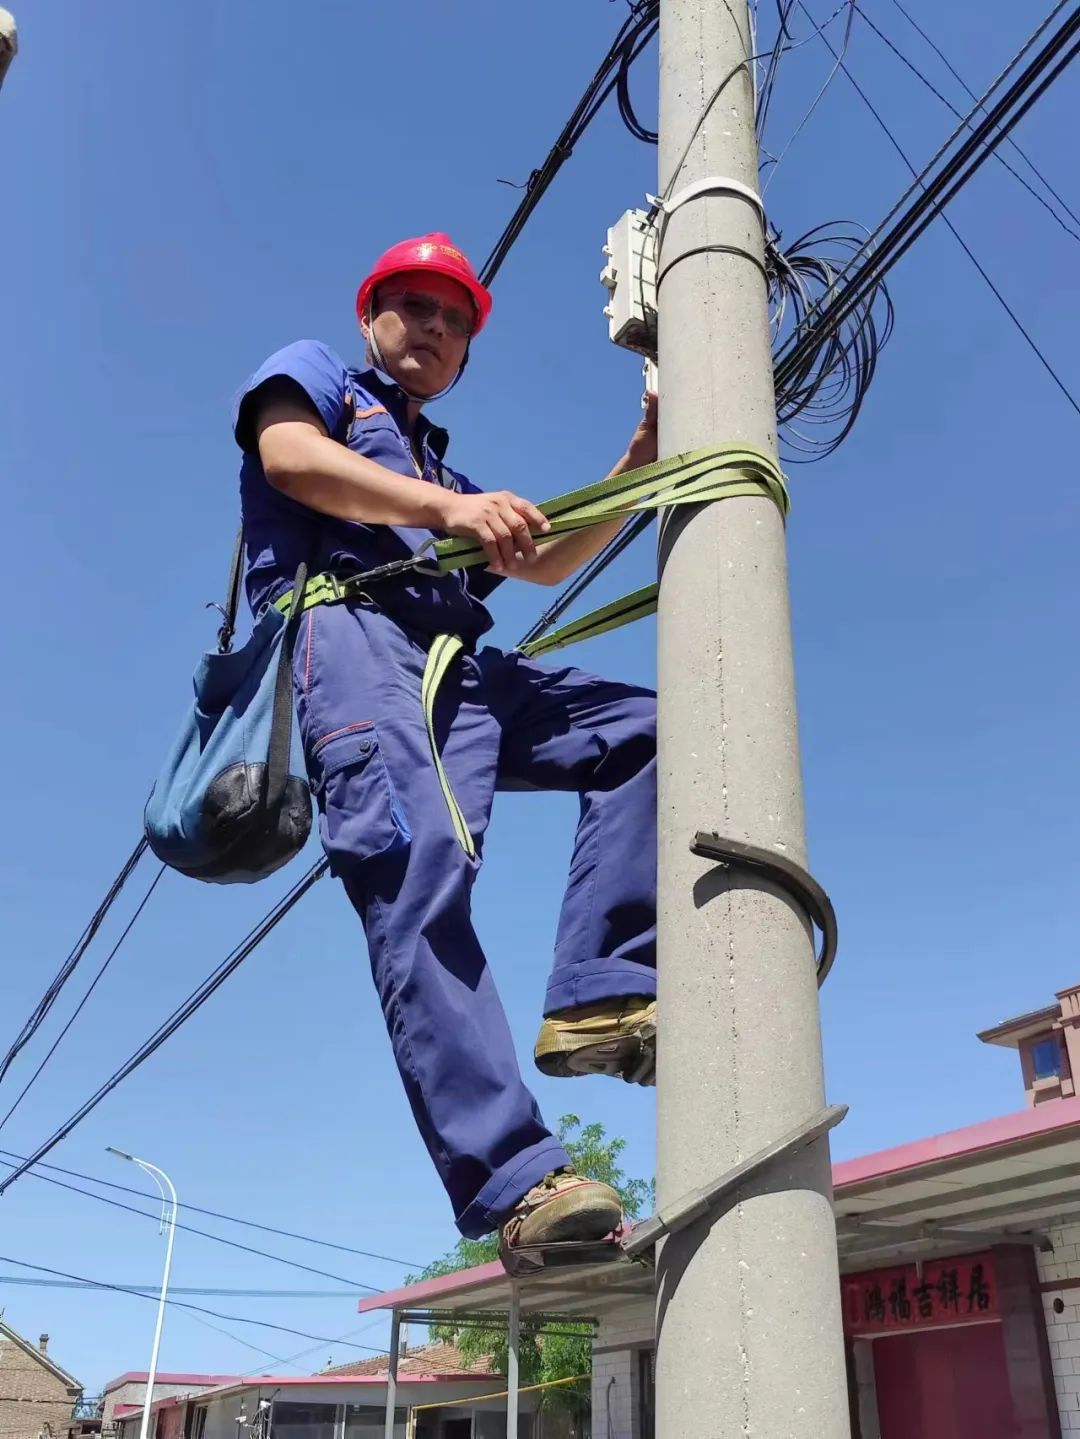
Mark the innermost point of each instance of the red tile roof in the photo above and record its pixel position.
(140, 1376)
(430, 1360)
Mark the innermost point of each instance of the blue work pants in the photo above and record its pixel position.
(502, 722)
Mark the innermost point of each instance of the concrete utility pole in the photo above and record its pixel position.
(748, 1303)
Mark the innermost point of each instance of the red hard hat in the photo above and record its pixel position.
(435, 252)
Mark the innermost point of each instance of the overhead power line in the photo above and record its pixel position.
(204, 1233)
(182, 1304)
(155, 1289)
(70, 964)
(633, 36)
(883, 250)
(82, 1002)
(183, 1012)
(886, 245)
(8, 1154)
(1041, 199)
(970, 93)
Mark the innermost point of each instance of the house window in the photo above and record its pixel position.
(368, 1421)
(198, 1424)
(303, 1421)
(1046, 1058)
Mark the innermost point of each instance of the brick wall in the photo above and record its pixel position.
(31, 1395)
(616, 1354)
(1063, 1329)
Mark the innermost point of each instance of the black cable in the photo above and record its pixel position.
(183, 1012)
(596, 566)
(204, 1291)
(822, 91)
(972, 96)
(966, 248)
(67, 969)
(952, 108)
(205, 1233)
(181, 1304)
(877, 257)
(784, 9)
(82, 1002)
(924, 203)
(612, 75)
(7, 1154)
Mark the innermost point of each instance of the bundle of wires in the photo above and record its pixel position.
(827, 387)
(613, 74)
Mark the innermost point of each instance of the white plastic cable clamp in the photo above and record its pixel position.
(714, 185)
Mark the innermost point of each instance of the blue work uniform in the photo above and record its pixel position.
(501, 722)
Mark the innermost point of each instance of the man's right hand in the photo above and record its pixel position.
(500, 521)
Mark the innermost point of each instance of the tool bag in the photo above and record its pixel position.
(226, 807)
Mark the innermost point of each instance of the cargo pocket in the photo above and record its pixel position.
(361, 816)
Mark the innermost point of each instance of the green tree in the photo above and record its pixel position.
(567, 1353)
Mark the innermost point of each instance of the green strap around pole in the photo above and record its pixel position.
(695, 477)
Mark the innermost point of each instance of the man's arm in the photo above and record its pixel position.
(558, 559)
(301, 460)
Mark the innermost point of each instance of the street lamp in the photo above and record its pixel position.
(168, 1217)
(9, 41)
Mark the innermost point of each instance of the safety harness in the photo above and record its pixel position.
(695, 477)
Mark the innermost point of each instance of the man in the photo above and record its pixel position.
(343, 471)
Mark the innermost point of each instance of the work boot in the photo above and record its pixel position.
(563, 1207)
(615, 1036)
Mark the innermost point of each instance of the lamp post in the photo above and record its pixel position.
(168, 1220)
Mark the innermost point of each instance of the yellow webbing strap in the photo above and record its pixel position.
(623, 611)
(444, 650)
(696, 477)
(324, 589)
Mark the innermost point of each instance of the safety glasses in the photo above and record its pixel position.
(458, 323)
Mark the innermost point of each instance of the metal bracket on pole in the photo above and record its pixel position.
(785, 873)
(699, 1202)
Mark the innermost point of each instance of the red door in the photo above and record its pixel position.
(944, 1384)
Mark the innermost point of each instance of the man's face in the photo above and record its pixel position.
(422, 324)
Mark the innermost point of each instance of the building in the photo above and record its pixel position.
(125, 1395)
(438, 1396)
(960, 1275)
(1048, 1041)
(37, 1397)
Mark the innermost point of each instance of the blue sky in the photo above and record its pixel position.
(186, 189)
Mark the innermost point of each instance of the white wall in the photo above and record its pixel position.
(221, 1413)
(1063, 1330)
(135, 1393)
(615, 1371)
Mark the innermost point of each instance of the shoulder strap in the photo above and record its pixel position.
(280, 746)
(232, 595)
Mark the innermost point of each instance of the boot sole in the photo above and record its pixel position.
(570, 1217)
(631, 1057)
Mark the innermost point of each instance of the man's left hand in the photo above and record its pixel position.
(642, 447)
